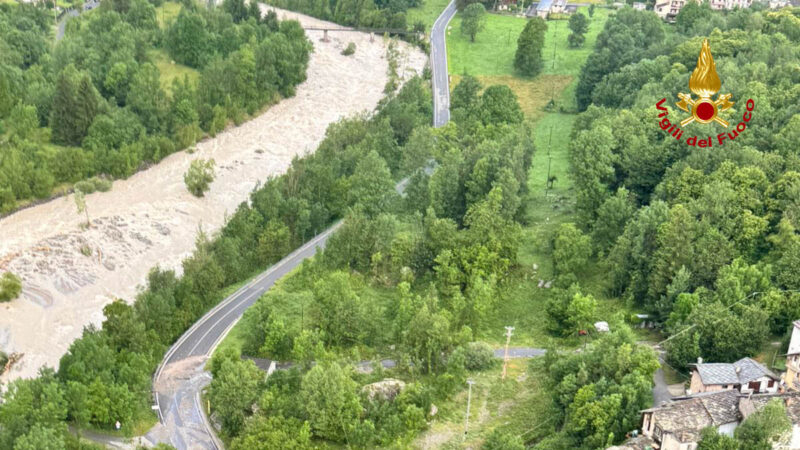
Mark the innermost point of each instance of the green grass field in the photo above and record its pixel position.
(427, 13)
(491, 57)
(492, 53)
(167, 12)
(516, 404)
(170, 70)
(522, 304)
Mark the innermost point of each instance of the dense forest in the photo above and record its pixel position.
(413, 277)
(94, 102)
(705, 239)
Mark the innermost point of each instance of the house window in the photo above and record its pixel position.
(657, 433)
(754, 385)
(724, 386)
(771, 383)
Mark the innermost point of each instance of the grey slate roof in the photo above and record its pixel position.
(740, 372)
(791, 401)
(687, 416)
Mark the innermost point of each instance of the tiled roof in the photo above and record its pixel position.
(791, 401)
(740, 372)
(722, 408)
(750, 370)
(640, 442)
(686, 417)
(717, 373)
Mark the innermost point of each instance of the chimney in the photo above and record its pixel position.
(699, 360)
(738, 370)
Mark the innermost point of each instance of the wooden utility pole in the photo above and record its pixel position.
(469, 401)
(505, 357)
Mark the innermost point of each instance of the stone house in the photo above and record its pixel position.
(745, 376)
(677, 425)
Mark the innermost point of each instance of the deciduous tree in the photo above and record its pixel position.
(528, 58)
(473, 20)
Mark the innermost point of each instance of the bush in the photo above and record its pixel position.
(478, 356)
(499, 440)
(10, 287)
(101, 184)
(350, 49)
(93, 184)
(199, 176)
(85, 186)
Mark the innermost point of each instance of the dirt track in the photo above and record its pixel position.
(150, 219)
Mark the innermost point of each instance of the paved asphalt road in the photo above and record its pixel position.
(441, 84)
(186, 426)
(62, 24)
(202, 338)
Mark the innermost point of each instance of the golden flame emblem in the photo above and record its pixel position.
(704, 82)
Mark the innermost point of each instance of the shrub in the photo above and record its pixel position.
(92, 185)
(499, 440)
(478, 356)
(101, 184)
(10, 287)
(350, 49)
(199, 176)
(85, 186)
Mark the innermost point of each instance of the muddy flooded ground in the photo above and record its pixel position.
(69, 274)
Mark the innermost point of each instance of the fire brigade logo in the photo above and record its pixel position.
(704, 83)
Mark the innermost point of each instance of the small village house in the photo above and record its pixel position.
(745, 376)
(668, 9)
(677, 425)
(544, 8)
(791, 378)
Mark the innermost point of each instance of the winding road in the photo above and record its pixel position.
(440, 77)
(181, 376)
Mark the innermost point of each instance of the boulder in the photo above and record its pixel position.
(386, 389)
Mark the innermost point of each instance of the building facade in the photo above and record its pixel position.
(745, 376)
(791, 378)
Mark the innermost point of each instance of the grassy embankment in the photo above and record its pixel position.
(427, 13)
(169, 69)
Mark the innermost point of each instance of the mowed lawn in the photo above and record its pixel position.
(492, 53)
